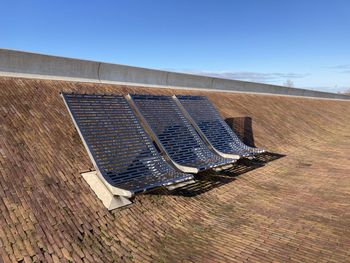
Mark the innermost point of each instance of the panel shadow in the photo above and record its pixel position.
(243, 127)
(209, 180)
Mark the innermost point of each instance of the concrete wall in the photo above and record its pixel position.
(24, 64)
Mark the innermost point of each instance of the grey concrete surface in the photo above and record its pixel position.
(32, 65)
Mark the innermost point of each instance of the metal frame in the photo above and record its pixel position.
(114, 190)
(159, 172)
(154, 135)
(147, 126)
(242, 149)
(194, 124)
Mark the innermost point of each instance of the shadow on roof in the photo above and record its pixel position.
(209, 180)
(243, 127)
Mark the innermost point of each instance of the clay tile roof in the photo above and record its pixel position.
(292, 205)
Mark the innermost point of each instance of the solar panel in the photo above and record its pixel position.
(175, 134)
(216, 131)
(118, 145)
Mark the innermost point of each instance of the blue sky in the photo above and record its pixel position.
(268, 41)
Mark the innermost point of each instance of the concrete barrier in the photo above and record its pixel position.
(112, 73)
(32, 65)
(35, 65)
(188, 80)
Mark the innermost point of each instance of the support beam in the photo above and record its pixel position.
(109, 200)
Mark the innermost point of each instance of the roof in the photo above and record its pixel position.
(294, 208)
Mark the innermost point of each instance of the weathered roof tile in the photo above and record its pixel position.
(292, 209)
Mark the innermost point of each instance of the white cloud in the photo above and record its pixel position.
(344, 66)
(250, 76)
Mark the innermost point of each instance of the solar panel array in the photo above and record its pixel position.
(181, 142)
(215, 129)
(122, 151)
